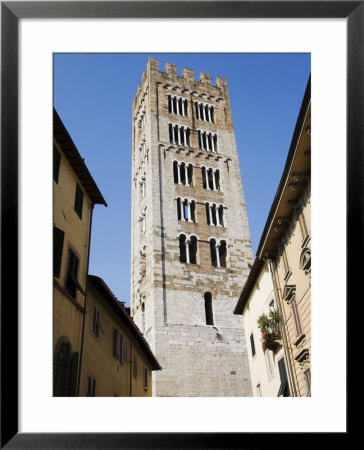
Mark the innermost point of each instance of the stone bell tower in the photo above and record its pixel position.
(190, 236)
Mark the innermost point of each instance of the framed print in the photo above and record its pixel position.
(162, 423)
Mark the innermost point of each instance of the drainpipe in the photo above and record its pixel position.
(285, 340)
(84, 306)
(130, 369)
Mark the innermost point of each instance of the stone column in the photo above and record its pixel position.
(218, 216)
(207, 178)
(189, 211)
(187, 251)
(172, 105)
(179, 173)
(213, 180)
(181, 208)
(217, 254)
(203, 112)
(210, 214)
(179, 134)
(185, 136)
(209, 113)
(186, 175)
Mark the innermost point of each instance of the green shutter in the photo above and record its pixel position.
(58, 238)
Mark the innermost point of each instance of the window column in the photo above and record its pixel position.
(217, 216)
(179, 173)
(213, 180)
(217, 254)
(187, 251)
(186, 175)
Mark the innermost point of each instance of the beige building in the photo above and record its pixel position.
(266, 362)
(190, 236)
(285, 251)
(74, 195)
(116, 359)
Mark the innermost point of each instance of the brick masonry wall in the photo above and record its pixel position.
(197, 359)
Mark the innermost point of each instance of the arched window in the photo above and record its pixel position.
(190, 174)
(222, 253)
(213, 252)
(204, 178)
(182, 249)
(217, 179)
(179, 209)
(188, 249)
(193, 250)
(208, 308)
(175, 172)
(218, 253)
(221, 215)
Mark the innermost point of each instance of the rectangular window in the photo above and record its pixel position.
(284, 388)
(91, 386)
(145, 378)
(259, 390)
(71, 281)
(307, 374)
(95, 321)
(58, 238)
(56, 163)
(268, 357)
(78, 201)
(252, 344)
(285, 261)
(296, 318)
(135, 365)
(120, 346)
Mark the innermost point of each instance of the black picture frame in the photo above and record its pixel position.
(11, 12)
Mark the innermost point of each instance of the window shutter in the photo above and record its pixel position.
(284, 388)
(56, 163)
(73, 375)
(58, 238)
(252, 344)
(97, 322)
(93, 387)
(116, 343)
(88, 393)
(125, 349)
(78, 201)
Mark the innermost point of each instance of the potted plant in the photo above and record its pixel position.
(269, 326)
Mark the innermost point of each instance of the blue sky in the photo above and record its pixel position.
(93, 95)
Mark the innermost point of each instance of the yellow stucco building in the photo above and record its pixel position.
(116, 361)
(285, 250)
(74, 195)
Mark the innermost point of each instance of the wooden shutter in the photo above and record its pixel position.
(252, 344)
(78, 201)
(73, 375)
(93, 391)
(56, 163)
(284, 388)
(58, 239)
(145, 378)
(124, 349)
(116, 343)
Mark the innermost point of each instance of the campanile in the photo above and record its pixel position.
(190, 236)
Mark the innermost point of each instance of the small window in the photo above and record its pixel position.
(120, 346)
(71, 281)
(56, 163)
(284, 387)
(95, 321)
(58, 238)
(208, 309)
(145, 379)
(252, 344)
(135, 366)
(269, 360)
(91, 386)
(259, 390)
(78, 201)
(271, 305)
(307, 375)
